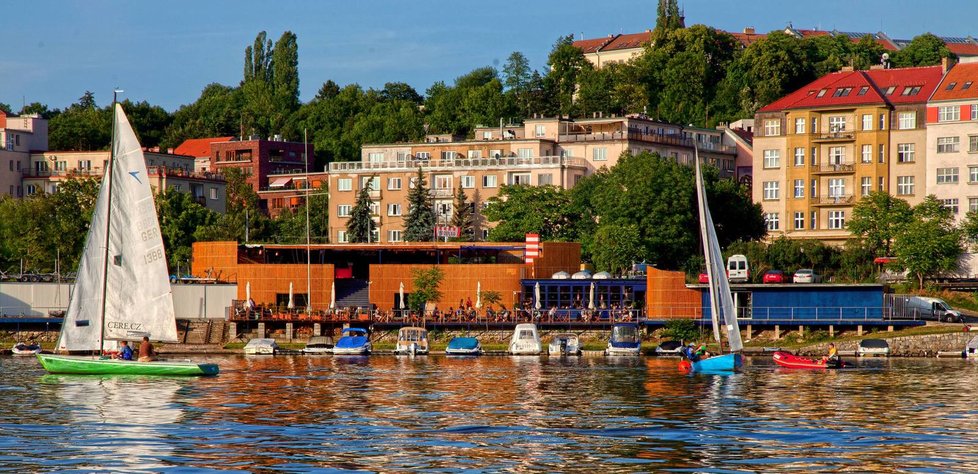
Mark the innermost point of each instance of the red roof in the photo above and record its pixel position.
(593, 45)
(909, 85)
(959, 75)
(962, 49)
(746, 39)
(630, 41)
(198, 147)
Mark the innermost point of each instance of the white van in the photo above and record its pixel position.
(737, 271)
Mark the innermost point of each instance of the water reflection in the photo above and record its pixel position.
(492, 413)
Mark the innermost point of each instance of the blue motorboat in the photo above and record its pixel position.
(353, 341)
(725, 363)
(464, 346)
(625, 340)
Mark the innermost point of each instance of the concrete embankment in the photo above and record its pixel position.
(903, 346)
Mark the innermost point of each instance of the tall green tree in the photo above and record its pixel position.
(929, 243)
(216, 113)
(180, 216)
(361, 223)
(924, 50)
(517, 77)
(517, 210)
(566, 62)
(463, 216)
(291, 225)
(668, 17)
(617, 247)
(419, 225)
(285, 75)
(81, 127)
(878, 218)
(257, 86)
(427, 287)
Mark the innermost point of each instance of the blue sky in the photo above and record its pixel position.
(165, 52)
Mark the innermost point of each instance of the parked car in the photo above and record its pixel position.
(806, 275)
(737, 270)
(873, 347)
(704, 278)
(773, 276)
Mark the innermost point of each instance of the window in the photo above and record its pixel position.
(947, 176)
(341, 236)
(489, 181)
(519, 179)
(911, 90)
(904, 185)
(394, 235)
(814, 192)
(799, 125)
(842, 92)
(545, 179)
(973, 174)
(814, 220)
(837, 188)
(373, 182)
(449, 155)
(863, 90)
(948, 144)
(771, 219)
(375, 157)
(772, 158)
(966, 86)
(821, 93)
(485, 234)
(343, 210)
(889, 90)
(799, 188)
(772, 128)
(799, 220)
(950, 86)
(905, 153)
(473, 154)
(882, 121)
(422, 155)
(974, 111)
(867, 122)
(31, 189)
(771, 190)
(837, 219)
(951, 204)
(867, 155)
(213, 193)
(412, 182)
(486, 135)
(837, 124)
(344, 184)
(882, 153)
(837, 155)
(882, 183)
(948, 113)
(973, 143)
(393, 184)
(908, 120)
(814, 157)
(82, 164)
(866, 186)
(539, 131)
(402, 156)
(799, 156)
(524, 152)
(394, 209)
(442, 182)
(468, 182)
(972, 204)
(495, 153)
(599, 154)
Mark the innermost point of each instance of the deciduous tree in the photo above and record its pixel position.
(929, 243)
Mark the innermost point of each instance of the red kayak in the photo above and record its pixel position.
(791, 361)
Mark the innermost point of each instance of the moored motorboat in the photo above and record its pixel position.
(261, 346)
(564, 344)
(464, 346)
(525, 341)
(791, 361)
(319, 345)
(353, 341)
(22, 349)
(625, 340)
(412, 340)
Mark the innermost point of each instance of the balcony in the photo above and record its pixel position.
(671, 139)
(442, 192)
(836, 200)
(835, 137)
(842, 167)
(506, 162)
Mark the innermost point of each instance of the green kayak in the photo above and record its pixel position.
(94, 365)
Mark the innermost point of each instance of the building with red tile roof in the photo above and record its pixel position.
(952, 140)
(200, 148)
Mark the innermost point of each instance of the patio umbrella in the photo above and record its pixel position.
(248, 301)
(291, 304)
(332, 296)
(478, 295)
(536, 294)
(590, 302)
(400, 293)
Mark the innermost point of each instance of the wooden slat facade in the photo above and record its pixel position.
(556, 257)
(459, 283)
(667, 297)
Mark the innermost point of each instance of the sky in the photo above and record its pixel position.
(165, 52)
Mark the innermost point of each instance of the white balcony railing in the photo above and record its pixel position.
(507, 162)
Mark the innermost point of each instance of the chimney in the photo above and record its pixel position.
(946, 64)
(749, 30)
(846, 69)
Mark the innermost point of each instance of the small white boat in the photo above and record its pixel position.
(319, 345)
(22, 349)
(525, 341)
(464, 346)
(971, 349)
(625, 340)
(258, 346)
(412, 340)
(565, 344)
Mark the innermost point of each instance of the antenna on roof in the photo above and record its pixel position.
(885, 60)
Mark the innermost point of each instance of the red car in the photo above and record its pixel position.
(773, 276)
(704, 277)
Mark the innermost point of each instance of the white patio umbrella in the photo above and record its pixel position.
(248, 301)
(332, 296)
(478, 295)
(400, 296)
(291, 304)
(536, 294)
(590, 303)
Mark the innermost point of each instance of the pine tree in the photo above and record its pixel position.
(463, 217)
(420, 222)
(361, 221)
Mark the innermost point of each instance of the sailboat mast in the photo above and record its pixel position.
(710, 269)
(108, 225)
(305, 139)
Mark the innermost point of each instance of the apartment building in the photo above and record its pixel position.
(259, 158)
(44, 171)
(200, 149)
(952, 140)
(823, 147)
(541, 151)
(19, 136)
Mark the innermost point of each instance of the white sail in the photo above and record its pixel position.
(138, 301)
(721, 299)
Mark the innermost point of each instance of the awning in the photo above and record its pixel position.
(280, 182)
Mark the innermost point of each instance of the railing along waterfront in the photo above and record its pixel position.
(501, 162)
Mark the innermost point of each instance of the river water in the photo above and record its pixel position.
(386, 413)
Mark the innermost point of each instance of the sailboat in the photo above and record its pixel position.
(721, 300)
(122, 291)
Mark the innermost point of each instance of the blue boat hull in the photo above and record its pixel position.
(721, 363)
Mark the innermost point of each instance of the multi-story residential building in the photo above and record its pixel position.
(952, 140)
(20, 136)
(542, 151)
(821, 148)
(200, 149)
(260, 158)
(44, 171)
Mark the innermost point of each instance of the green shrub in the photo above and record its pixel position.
(682, 330)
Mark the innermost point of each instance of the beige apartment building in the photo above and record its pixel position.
(541, 151)
(45, 170)
(19, 136)
(820, 149)
(952, 140)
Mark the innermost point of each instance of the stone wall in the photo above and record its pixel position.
(906, 346)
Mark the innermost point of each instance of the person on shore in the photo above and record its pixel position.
(125, 352)
(146, 352)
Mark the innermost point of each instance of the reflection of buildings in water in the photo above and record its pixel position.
(118, 419)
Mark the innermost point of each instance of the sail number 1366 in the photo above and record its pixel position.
(154, 255)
